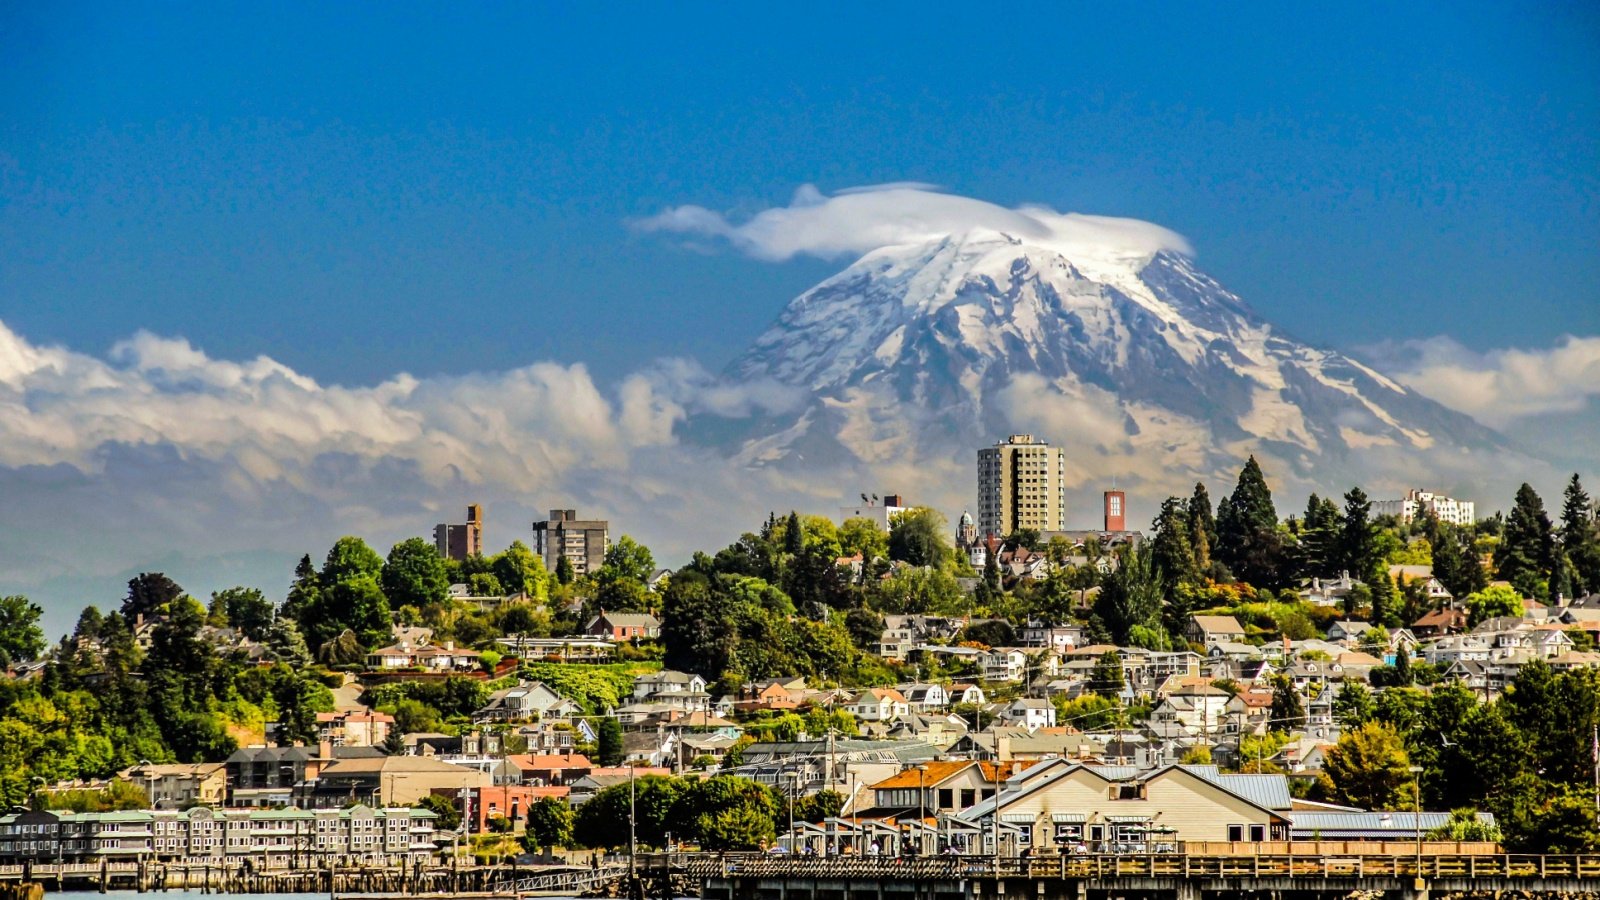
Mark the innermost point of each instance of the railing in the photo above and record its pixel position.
(566, 879)
(955, 868)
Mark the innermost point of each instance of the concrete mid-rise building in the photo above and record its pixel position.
(461, 541)
(1021, 484)
(1420, 503)
(583, 542)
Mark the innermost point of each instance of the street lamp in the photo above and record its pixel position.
(1416, 823)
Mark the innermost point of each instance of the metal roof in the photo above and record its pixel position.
(1360, 824)
(1270, 791)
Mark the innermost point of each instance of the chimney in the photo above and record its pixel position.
(325, 749)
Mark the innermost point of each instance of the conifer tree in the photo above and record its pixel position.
(1356, 537)
(1526, 554)
(1319, 539)
(1248, 542)
(1580, 538)
(1202, 525)
(1385, 601)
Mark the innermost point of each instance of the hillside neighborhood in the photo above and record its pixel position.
(882, 682)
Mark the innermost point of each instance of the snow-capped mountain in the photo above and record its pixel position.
(922, 353)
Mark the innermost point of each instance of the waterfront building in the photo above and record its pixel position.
(267, 839)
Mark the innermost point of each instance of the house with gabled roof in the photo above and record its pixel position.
(1212, 630)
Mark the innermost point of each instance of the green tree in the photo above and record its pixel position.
(628, 558)
(699, 632)
(565, 574)
(917, 536)
(1248, 542)
(610, 742)
(1580, 538)
(1357, 536)
(1288, 711)
(149, 594)
(350, 558)
(1492, 602)
(1353, 707)
(1369, 768)
(550, 823)
(862, 535)
(1320, 535)
(443, 807)
(21, 638)
(1130, 596)
(358, 604)
(305, 593)
(1202, 526)
(1172, 549)
(1464, 825)
(1526, 553)
(521, 571)
(414, 574)
(1385, 599)
(1107, 679)
(246, 610)
(794, 535)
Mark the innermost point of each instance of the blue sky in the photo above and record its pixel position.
(356, 191)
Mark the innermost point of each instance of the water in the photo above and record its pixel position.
(197, 895)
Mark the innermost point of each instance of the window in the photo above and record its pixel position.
(1258, 832)
(968, 797)
(1235, 832)
(947, 798)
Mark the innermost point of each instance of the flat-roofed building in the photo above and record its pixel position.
(1021, 484)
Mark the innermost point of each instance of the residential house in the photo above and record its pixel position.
(674, 689)
(1196, 708)
(925, 697)
(878, 705)
(1439, 622)
(937, 788)
(1061, 638)
(618, 626)
(904, 633)
(266, 776)
(528, 701)
(1214, 630)
(1031, 713)
(545, 769)
(1003, 664)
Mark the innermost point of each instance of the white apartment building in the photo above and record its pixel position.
(1418, 502)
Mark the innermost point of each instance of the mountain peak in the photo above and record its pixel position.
(933, 347)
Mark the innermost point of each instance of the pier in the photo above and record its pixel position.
(1274, 876)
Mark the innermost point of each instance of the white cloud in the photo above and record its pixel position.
(1498, 387)
(858, 220)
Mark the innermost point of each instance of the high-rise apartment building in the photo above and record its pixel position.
(582, 541)
(1021, 484)
(461, 541)
(1421, 503)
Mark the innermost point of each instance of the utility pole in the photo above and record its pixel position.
(632, 831)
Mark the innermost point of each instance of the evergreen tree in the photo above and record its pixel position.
(610, 742)
(1403, 675)
(1130, 596)
(304, 592)
(1526, 554)
(1580, 538)
(565, 574)
(1202, 526)
(1385, 600)
(1248, 542)
(1319, 539)
(1107, 679)
(1357, 537)
(1288, 711)
(1456, 563)
(794, 535)
(1172, 549)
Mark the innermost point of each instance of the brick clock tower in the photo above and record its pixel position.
(1116, 511)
